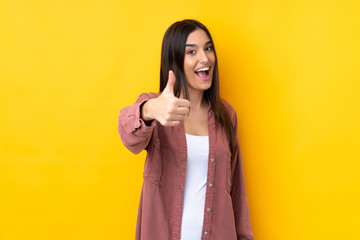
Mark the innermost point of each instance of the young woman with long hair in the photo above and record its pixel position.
(193, 178)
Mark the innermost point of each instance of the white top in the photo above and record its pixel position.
(195, 187)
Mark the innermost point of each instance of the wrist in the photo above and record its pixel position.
(145, 112)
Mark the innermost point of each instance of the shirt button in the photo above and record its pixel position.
(208, 209)
(212, 160)
(210, 185)
(206, 233)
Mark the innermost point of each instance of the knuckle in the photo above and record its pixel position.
(171, 109)
(167, 117)
(165, 123)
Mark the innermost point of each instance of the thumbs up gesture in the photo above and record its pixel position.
(166, 109)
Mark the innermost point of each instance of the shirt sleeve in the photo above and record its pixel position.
(134, 133)
(239, 196)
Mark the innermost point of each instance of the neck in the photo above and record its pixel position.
(197, 100)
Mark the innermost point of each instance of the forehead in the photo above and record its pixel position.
(198, 37)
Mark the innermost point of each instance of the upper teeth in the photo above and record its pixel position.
(202, 69)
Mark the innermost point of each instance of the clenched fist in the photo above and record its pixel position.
(166, 109)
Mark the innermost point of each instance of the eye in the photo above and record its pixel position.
(210, 48)
(191, 52)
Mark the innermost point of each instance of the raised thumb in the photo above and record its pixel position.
(170, 83)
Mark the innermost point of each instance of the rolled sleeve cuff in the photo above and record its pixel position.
(132, 120)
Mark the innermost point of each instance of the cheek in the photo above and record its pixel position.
(212, 58)
(188, 68)
(188, 71)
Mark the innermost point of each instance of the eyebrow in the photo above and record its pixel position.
(194, 45)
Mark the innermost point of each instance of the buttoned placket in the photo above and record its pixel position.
(181, 175)
(210, 178)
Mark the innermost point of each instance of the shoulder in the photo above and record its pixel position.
(230, 110)
(228, 106)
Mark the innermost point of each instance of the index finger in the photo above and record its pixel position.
(183, 103)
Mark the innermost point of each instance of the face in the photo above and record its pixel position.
(199, 61)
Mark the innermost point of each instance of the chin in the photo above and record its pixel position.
(204, 88)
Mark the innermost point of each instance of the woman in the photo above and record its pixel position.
(193, 179)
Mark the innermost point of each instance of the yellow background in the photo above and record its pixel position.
(290, 69)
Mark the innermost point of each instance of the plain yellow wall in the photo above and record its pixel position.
(291, 69)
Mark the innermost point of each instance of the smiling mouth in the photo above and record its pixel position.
(203, 73)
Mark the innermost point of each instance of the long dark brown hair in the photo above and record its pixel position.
(172, 58)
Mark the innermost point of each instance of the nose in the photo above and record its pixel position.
(203, 57)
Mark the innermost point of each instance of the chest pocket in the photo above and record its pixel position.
(155, 163)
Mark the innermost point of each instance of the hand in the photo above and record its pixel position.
(166, 109)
